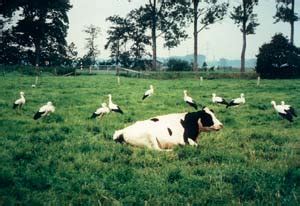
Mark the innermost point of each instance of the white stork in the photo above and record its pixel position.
(44, 111)
(100, 112)
(283, 111)
(218, 100)
(148, 93)
(236, 102)
(290, 108)
(189, 100)
(19, 102)
(113, 107)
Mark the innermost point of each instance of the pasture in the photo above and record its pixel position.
(68, 159)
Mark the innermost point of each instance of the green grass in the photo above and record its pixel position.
(67, 158)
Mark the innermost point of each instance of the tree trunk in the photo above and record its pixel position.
(153, 34)
(195, 65)
(244, 37)
(37, 56)
(37, 53)
(243, 52)
(117, 59)
(292, 22)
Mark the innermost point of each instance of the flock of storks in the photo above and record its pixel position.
(284, 110)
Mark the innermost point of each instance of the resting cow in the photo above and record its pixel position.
(167, 131)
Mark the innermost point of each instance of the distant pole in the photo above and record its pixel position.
(81, 66)
(37, 75)
(258, 81)
(118, 78)
(201, 80)
(36, 80)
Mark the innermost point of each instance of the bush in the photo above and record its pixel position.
(278, 59)
(31, 70)
(178, 65)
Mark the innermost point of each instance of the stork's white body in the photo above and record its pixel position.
(113, 107)
(100, 112)
(189, 100)
(20, 102)
(238, 101)
(45, 110)
(285, 111)
(218, 100)
(149, 92)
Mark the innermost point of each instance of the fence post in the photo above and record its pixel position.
(37, 74)
(258, 81)
(36, 80)
(201, 80)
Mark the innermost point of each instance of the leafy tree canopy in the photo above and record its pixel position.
(278, 59)
(284, 11)
(41, 28)
(178, 65)
(127, 33)
(92, 32)
(244, 17)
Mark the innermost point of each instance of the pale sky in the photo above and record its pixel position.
(221, 40)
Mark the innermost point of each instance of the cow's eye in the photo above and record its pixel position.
(212, 111)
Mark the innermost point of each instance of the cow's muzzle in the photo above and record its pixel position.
(218, 127)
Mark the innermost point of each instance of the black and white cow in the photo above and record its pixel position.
(167, 131)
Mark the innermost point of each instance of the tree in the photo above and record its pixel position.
(125, 59)
(138, 37)
(204, 66)
(278, 59)
(10, 53)
(117, 36)
(244, 17)
(72, 54)
(124, 33)
(42, 26)
(178, 65)
(168, 17)
(209, 13)
(285, 12)
(92, 32)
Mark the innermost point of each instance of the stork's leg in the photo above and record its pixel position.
(101, 115)
(21, 108)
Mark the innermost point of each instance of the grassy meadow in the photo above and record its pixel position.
(69, 159)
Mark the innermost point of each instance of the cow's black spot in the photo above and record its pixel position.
(206, 120)
(190, 124)
(120, 139)
(154, 119)
(170, 131)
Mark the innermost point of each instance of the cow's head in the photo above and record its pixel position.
(208, 121)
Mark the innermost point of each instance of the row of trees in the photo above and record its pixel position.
(38, 36)
(169, 18)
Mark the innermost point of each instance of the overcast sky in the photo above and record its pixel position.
(221, 40)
